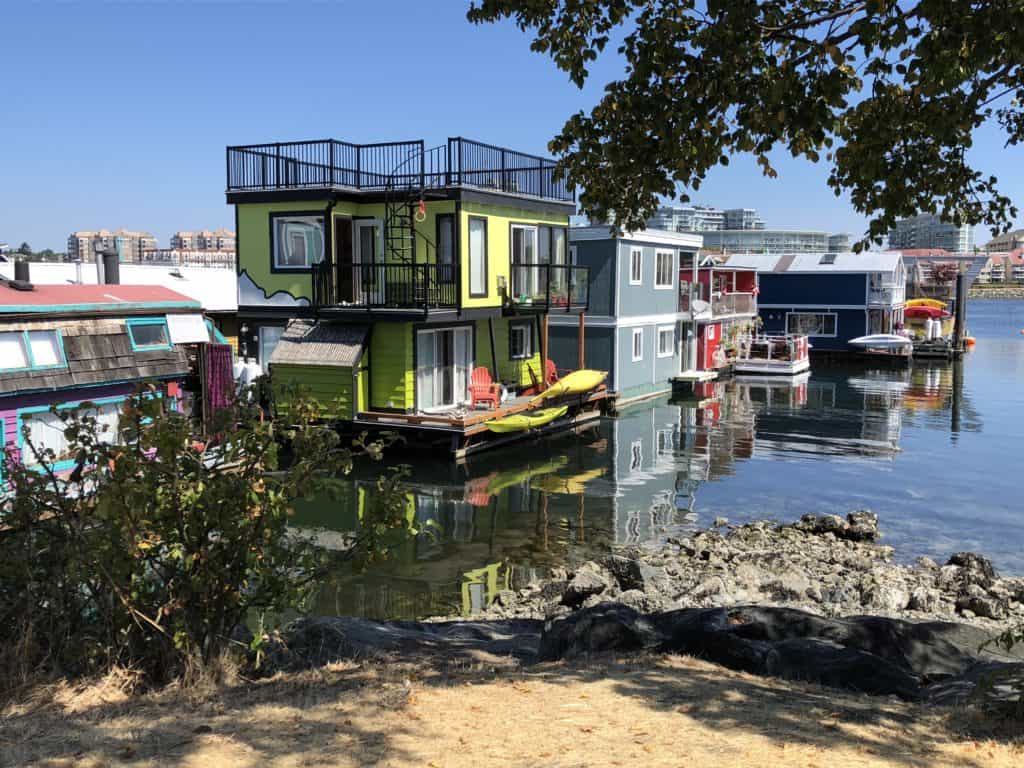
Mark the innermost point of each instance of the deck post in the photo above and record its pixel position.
(494, 354)
(543, 348)
(582, 335)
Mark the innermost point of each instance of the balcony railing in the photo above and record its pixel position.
(722, 304)
(328, 163)
(385, 285)
(733, 304)
(549, 287)
(886, 294)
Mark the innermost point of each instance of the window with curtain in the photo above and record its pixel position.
(663, 269)
(666, 341)
(46, 431)
(638, 344)
(298, 241)
(477, 257)
(636, 266)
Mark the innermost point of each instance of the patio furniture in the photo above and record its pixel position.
(482, 388)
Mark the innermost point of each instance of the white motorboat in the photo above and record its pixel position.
(889, 342)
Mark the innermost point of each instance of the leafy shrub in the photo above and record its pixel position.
(153, 547)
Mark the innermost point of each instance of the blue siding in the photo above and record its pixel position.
(599, 256)
(564, 347)
(820, 289)
(645, 299)
(850, 323)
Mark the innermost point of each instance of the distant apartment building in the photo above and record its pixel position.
(129, 245)
(1008, 241)
(839, 242)
(773, 241)
(687, 218)
(742, 218)
(204, 240)
(930, 231)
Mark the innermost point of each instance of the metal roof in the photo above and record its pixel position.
(868, 261)
(92, 298)
(308, 342)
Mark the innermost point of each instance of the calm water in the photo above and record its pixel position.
(935, 450)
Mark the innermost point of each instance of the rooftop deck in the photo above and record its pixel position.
(401, 165)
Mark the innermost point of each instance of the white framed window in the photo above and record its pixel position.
(663, 262)
(46, 430)
(638, 344)
(520, 341)
(477, 257)
(297, 240)
(31, 349)
(666, 341)
(527, 283)
(811, 323)
(13, 352)
(636, 266)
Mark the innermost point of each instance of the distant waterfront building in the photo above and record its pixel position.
(129, 245)
(204, 240)
(687, 218)
(839, 242)
(1008, 241)
(930, 231)
(767, 241)
(742, 218)
(195, 258)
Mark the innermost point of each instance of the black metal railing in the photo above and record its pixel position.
(372, 167)
(385, 285)
(549, 287)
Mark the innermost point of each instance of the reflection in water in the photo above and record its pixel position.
(744, 448)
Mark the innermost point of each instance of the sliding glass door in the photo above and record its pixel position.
(443, 365)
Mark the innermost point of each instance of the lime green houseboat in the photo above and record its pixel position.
(381, 275)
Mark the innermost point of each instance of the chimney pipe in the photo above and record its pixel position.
(21, 272)
(111, 269)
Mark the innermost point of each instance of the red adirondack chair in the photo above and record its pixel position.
(482, 388)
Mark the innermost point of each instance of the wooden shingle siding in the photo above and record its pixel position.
(97, 352)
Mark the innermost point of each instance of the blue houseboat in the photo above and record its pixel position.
(829, 297)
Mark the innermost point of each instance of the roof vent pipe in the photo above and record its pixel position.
(21, 272)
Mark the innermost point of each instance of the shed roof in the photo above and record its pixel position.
(869, 261)
(308, 342)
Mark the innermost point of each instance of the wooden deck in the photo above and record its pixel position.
(468, 429)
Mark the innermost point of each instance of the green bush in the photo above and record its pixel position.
(153, 548)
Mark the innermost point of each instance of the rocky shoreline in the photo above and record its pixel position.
(997, 292)
(827, 565)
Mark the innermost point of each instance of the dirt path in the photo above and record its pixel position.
(657, 711)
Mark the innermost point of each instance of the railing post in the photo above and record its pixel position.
(359, 166)
(330, 161)
(277, 164)
(504, 180)
(540, 174)
(423, 160)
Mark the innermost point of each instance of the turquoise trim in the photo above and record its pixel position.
(111, 306)
(97, 385)
(137, 321)
(28, 353)
(217, 335)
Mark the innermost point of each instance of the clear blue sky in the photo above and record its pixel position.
(117, 114)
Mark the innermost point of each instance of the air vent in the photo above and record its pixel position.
(828, 258)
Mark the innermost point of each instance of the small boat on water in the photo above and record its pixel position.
(889, 342)
(575, 383)
(782, 355)
(521, 422)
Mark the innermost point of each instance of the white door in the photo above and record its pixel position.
(443, 366)
(368, 262)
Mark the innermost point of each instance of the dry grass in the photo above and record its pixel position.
(652, 711)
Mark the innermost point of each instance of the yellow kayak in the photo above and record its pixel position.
(574, 383)
(521, 422)
(934, 303)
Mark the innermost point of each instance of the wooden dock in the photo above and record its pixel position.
(467, 430)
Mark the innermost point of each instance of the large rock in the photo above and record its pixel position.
(606, 627)
(974, 569)
(584, 584)
(633, 573)
(838, 666)
(861, 525)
